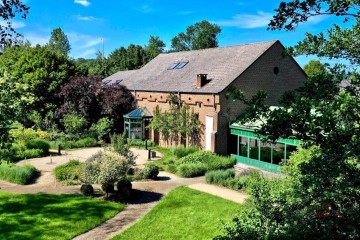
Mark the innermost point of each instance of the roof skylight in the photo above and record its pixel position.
(181, 65)
(177, 65)
(173, 66)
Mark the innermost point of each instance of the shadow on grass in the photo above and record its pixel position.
(39, 216)
(139, 196)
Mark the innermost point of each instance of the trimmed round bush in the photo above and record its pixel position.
(87, 189)
(151, 171)
(38, 144)
(108, 187)
(123, 184)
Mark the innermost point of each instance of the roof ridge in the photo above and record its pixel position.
(222, 47)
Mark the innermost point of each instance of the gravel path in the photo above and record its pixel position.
(147, 193)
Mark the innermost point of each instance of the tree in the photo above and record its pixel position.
(337, 42)
(316, 68)
(320, 197)
(177, 125)
(99, 67)
(117, 60)
(201, 35)
(155, 47)
(13, 98)
(9, 10)
(117, 101)
(83, 96)
(135, 57)
(87, 97)
(59, 42)
(41, 70)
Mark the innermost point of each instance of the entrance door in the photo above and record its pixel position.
(209, 128)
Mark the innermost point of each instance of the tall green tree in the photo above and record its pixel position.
(43, 71)
(117, 60)
(59, 42)
(155, 47)
(8, 10)
(201, 35)
(321, 198)
(135, 57)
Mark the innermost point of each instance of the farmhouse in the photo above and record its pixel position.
(201, 79)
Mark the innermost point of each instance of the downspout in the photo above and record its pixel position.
(214, 101)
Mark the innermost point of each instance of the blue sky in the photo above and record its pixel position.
(119, 23)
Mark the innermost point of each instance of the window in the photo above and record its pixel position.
(106, 82)
(177, 65)
(181, 65)
(117, 82)
(173, 66)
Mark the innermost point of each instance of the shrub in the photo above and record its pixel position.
(203, 159)
(74, 124)
(86, 142)
(23, 135)
(38, 144)
(70, 173)
(181, 151)
(216, 162)
(123, 183)
(151, 171)
(28, 153)
(191, 170)
(87, 189)
(107, 167)
(17, 174)
(101, 129)
(237, 183)
(171, 168)
(219, 176)
(196, 157)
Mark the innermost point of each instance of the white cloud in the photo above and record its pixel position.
(86, 53)
(35, 39)
(87, 18)
(316, 19)
(14, 24)
(82, 41)
(261, 19)
(85, 3)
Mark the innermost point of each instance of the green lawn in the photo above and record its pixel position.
(42, 216)
(183, 214)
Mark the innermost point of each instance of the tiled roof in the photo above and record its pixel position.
(222, 66)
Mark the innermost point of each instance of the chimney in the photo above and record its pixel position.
(201, 80)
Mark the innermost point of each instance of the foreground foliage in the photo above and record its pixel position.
(17, 174)
(183, 213)
(39, 216)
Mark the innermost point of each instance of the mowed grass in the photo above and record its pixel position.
(42, 216)
(183, 214)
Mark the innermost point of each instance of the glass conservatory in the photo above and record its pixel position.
(136, 122)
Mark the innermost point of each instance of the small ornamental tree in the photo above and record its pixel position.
(177, 124)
